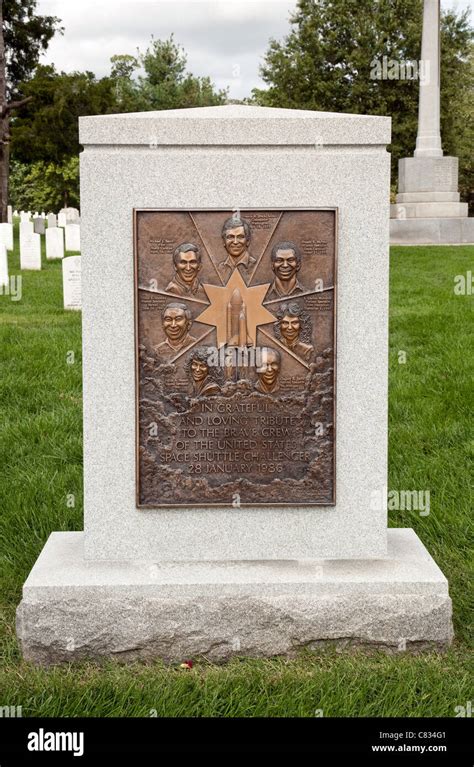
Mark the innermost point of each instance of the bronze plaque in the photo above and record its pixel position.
(235, 336)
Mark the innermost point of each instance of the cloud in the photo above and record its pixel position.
(225, 40)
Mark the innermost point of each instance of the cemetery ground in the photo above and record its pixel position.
(431, 449)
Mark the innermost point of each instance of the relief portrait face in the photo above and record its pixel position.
(175, 324)
(285, 265)
(268, 372)
(199, 370)
(235, 241)
(290, 327)
(187, 266)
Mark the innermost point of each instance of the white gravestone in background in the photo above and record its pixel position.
(73, 237)
(72, 215)
(6, 235)
(72, 282)
(3, 266)
(62, 217)
(30, 251)
(38, 224)
(54, 242)
(25, 216)
(52, 220)
(26, 228)
(10, 214)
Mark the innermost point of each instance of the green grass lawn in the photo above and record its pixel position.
(431, 448)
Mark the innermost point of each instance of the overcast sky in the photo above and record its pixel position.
(225, 39)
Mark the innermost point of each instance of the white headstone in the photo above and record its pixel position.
(72, 215)
(26, 228)
(6, 235)
(62, 217)
(30, 251)
(3, 265)
(43, 215)
(24, 216)
(54, 242)
(10, 214)
(73, 237)
(15, 213)
(52, 219)
(72, 282)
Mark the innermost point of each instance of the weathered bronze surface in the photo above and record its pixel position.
(235, 331)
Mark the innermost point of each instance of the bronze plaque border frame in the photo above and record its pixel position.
(157, 507)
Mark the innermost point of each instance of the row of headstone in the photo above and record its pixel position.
(55, 245)
(64, 217)
(54, 237)
(58, 239)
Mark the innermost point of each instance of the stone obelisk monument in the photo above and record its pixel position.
(428, 210)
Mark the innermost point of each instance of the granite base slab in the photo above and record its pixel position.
(432, 231)
(75, 609)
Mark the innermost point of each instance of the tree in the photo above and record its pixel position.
(44, 186)
(47, 128)
(23, 36)
(46, 132)
(327, 62)
(127, 96)
(457, 102)
(45, 137)
(167, 85)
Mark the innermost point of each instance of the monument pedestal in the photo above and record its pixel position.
(190, 547)
(74, 609)
(427, 209)
(432, 231)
